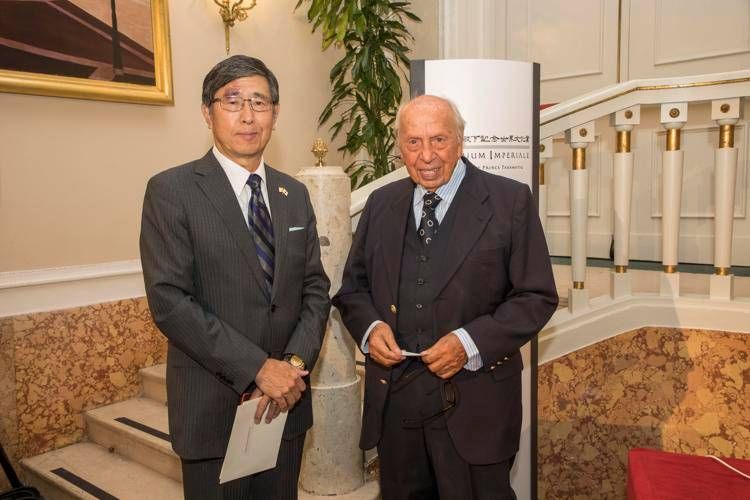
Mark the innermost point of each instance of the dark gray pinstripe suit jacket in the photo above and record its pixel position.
(203, 287)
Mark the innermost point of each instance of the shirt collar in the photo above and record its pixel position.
(449, 187)
(237, 174)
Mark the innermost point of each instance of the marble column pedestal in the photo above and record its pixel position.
(332, 462)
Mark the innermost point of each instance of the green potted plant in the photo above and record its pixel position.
(365, 83)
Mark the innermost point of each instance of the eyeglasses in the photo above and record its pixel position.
(235, 103)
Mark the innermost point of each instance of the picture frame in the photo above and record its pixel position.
(151, 84)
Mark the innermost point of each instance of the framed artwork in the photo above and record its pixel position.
(110, 50)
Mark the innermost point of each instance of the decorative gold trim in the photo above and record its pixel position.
(621, 269)
(583, 132)
(578, 285)
(673, 139)
(671, 269)
(726, 136)
(674, 113)
(623, 141)
(628, 114)
(722, 271)
(724, 108)
(541, 174)
(579, 158)
(21, 82)
(648, 88)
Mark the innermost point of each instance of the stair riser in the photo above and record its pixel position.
(162, 461)
(154, 388)
(49, 489)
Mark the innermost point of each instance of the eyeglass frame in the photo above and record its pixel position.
(451, 397)
(249, 100)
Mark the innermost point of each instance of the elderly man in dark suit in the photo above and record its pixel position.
(233, 275)
(452, 264)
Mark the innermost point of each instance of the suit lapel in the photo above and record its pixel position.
(279, 203)
(472, 216)
(393, 232)
(215, 185)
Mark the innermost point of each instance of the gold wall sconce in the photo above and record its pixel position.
(231, 13)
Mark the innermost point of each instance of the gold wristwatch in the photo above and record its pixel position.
(295, 361)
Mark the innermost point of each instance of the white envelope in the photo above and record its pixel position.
(252, 447)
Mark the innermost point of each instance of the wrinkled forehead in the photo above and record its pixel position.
(427, 114)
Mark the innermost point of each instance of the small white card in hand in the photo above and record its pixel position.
(252, 447)
(410, 354)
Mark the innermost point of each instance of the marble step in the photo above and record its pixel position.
(86, 471)
(136, 429)
(154, 382)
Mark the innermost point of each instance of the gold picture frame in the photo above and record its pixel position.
(160, 93)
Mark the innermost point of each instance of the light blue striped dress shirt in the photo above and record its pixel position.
(447, 193)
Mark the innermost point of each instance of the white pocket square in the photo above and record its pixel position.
(296, 228)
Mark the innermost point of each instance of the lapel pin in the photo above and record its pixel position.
(283, 191)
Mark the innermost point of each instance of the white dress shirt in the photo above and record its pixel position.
(238, 176)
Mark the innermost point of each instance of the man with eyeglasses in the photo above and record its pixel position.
(450, 264)
(231, 263)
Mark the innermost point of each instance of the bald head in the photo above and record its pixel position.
(430, 136)
(432, 101)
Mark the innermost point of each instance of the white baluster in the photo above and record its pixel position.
(726, 112)
(579, 138)
(545, 153)
(673, 117)
(622, 189)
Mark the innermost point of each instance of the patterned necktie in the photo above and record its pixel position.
(260, 225)
(428, 227)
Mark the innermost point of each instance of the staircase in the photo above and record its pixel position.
(127, 456)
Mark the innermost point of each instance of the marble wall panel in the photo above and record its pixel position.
(678, 390)
(69, 361)
(8, 432)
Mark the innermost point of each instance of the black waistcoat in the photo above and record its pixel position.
(420, 265)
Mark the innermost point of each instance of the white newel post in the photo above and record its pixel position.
(579, 138)
(673, 118)
(727, 113)
(333, 463)
(623, 121)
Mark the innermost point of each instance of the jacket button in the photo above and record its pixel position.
(383, 381)
(393, 309)
(492, 367)
(419, 307)
(273, 307)
(506, 358)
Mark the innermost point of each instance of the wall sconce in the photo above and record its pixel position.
(232, 13)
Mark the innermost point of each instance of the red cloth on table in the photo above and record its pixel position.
(658, 475)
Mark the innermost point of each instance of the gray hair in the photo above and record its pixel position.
(460, 122)
(233, 68)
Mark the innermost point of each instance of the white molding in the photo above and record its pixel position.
(606, 318)
(700, 57)
(664, 61)
(599, 70)
(740, 211)
(42, 290)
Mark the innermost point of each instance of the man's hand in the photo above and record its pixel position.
(265, 402)
(383, 347)
(446, 357)
(281, 382)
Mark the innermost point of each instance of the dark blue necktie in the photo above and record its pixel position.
(428, 227)
(260, 224)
